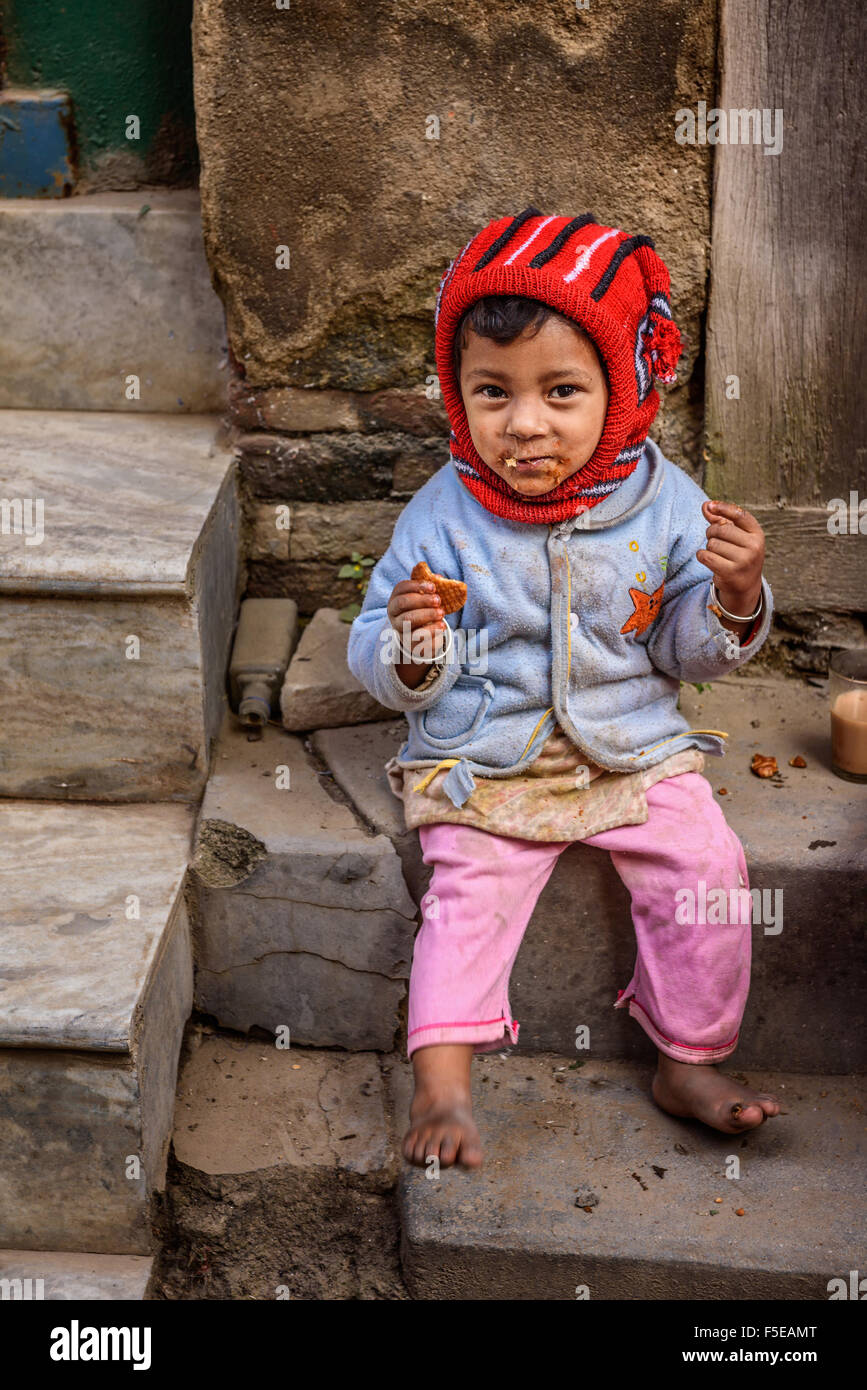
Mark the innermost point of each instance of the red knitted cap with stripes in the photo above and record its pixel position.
(617, 289)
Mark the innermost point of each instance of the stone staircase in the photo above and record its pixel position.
(119, 581)
(114, 635)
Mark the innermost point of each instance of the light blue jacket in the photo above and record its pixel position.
(550, 602)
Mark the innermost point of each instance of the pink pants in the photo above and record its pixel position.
(691, 978)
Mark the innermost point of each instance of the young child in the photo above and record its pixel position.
(598, 576)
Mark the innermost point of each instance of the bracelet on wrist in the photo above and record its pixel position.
(736, 617)
(411, 660)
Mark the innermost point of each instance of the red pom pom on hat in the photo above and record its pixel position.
(665, 348)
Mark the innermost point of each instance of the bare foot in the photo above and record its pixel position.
(441, 1114)
(703, 1093)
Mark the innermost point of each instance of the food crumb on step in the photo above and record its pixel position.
(763, 765)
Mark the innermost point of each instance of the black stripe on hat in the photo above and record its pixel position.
(505, 237)
(625, 249)
(543, 257)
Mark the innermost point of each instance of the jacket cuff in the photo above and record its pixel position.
(437, 681)
(757, 632)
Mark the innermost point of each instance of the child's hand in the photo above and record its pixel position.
(415, 607)
(735, 553)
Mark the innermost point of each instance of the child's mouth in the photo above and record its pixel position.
(529, 464)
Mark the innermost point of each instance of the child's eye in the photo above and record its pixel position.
(562, 386)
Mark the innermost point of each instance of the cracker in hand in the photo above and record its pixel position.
(453, 592)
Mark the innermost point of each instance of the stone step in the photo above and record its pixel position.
(281, 1182)
(554, 1136)
(95, 989)
(804, 837)
(102, 288)
(320, 691)
(118, 592)
(60, 1276)
(304, 920)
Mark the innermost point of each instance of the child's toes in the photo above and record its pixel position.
(414, 1147)
(769, 1104)
(470, 1151)
(410, 1143)
(449, 1148)
(747, 1115)
(427, 1147)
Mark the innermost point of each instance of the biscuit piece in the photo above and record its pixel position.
(453, 592)
(511, 463)
(763, 765)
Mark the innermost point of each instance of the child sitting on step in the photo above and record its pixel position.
(598, 576)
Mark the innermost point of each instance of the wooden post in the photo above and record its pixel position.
(786, 383)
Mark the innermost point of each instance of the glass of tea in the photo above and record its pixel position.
(848, 692)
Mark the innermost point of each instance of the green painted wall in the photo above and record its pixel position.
(115, 58)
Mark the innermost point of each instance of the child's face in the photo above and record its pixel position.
(544, 396)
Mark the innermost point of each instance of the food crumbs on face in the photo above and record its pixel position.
(763, 765)
(511, 463)
(797, 761)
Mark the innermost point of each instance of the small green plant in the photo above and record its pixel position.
(358, 563)
(698, 685)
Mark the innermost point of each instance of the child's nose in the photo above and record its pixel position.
(526, 422)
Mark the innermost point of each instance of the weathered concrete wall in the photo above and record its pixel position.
(314, 136)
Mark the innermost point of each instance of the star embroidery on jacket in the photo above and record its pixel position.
(646, 608)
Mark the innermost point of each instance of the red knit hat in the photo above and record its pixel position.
(617, 289)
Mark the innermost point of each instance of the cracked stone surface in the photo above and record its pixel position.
(243, 1105)
(357, 756)
(320, 691)
(305, 920)
(225, 854)
(282, 1177)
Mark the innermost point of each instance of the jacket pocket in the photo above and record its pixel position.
(455, 718)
